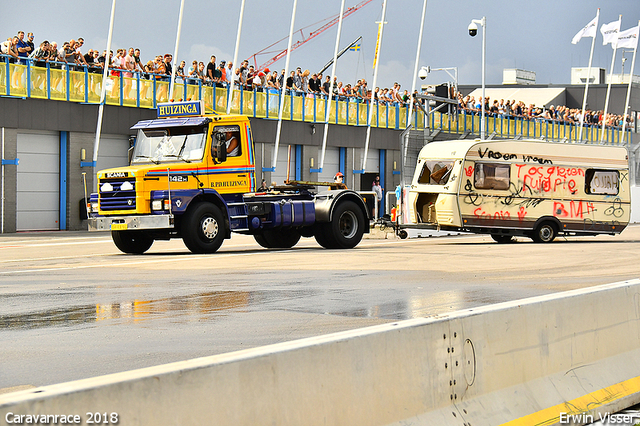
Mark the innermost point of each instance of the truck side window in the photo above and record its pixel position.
(601, 182)
(492, 176)
(232, 138)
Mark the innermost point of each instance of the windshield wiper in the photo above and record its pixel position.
(153, 159)
(179, 157)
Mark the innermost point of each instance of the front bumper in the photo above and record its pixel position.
(124, 223)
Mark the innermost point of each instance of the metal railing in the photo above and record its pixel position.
(73, 83)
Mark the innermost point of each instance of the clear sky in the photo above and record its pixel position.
(534, 35)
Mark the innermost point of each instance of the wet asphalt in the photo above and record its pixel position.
(72, 306)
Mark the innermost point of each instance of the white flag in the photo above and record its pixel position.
(588, 31)
(610, 32)
(628, 38)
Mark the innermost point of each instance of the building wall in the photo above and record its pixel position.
(79, 121)
(10, 181)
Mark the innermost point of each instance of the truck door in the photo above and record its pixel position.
(233, 175)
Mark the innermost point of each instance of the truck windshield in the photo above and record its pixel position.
(167, 145)
(436, 172)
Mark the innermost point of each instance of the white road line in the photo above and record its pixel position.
(120, 264)
(219, 255)
(23, 244)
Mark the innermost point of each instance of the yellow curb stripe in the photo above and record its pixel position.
(580, 405)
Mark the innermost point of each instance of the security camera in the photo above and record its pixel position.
(423, 73)
(473, 29)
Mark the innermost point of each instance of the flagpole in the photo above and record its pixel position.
(333, 74)
(586, 88)
(606, 102)
(415, 68)
(103, 91)
(626, 104)
(282, 89)
(373, 87)
(175, 54)
(235, 60)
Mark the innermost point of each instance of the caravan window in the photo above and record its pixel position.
(436, 172)
(492, 176)
(601, 182)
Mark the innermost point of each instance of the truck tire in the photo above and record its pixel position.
(278, 238)
(545, 232)
(203, 228)
(345, 229)
(132, 242)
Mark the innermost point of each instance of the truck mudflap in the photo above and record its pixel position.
(124, 223)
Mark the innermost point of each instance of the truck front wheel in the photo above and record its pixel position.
(203, 228)
(278, 238)
(132, 242)
(345, 229)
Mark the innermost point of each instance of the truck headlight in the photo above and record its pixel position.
(94, 207)
(160, 204)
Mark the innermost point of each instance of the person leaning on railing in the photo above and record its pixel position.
(40, 57)
(8, 47)
(272, 80)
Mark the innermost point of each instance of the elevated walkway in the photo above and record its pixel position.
(146, 91)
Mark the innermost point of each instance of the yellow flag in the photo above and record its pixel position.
(375, 58)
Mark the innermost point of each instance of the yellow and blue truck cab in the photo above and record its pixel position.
(192, 176)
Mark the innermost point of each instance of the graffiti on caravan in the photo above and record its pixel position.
(542, 179)
(497, 155)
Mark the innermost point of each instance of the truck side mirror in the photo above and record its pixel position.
(219, 147)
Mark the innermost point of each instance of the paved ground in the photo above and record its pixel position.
(72, 306)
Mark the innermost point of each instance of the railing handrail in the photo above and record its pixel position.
(347, 110)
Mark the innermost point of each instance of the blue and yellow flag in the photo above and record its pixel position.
(355, 47)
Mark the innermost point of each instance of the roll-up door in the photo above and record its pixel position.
(331, 164)
(373, 161)
(114, 152)
(280, 175)
(38, 179)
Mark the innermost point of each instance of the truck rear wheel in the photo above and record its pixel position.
(203, 228)
(132, 242)
(345, 229)
(278, 238)
(544, 232)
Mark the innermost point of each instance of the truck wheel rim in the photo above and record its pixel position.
(348, 224)
(209, 228)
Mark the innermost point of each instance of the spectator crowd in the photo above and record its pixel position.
(518, 109)
(126, 62)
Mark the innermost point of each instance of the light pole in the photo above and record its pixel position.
(473, 30)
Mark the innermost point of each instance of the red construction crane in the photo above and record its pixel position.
(333, 20)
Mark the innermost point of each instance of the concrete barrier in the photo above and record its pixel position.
(519, 363)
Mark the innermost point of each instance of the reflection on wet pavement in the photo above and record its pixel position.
(197, 307)
(212, 305)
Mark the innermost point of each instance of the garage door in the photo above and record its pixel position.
(38, 194)
(113, 153)
(373, 161)
(331, 164)
(280, 175)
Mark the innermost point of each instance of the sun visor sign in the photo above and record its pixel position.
(181, 109)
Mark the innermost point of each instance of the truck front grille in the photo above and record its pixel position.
(117, 194)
